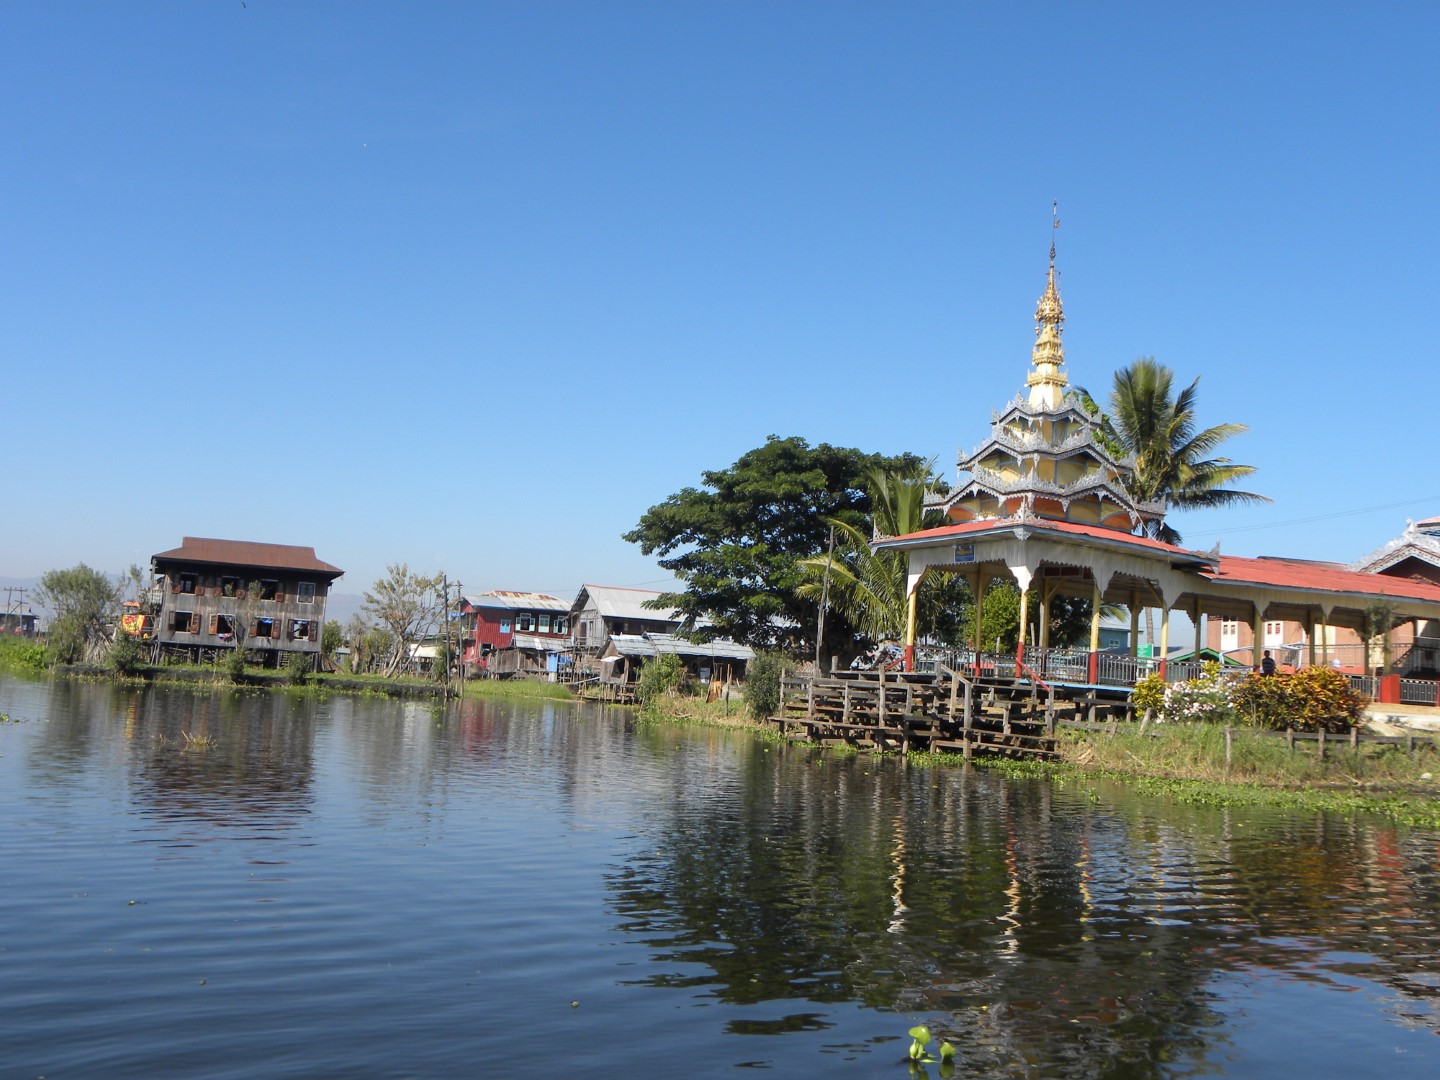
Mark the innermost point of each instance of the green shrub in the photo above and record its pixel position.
(1149, 694)
(762, 684)
(235, 665)
(297, 668)
(665, 674)
(126, 654)
(22, 654)
(1324, 698)
(1265, 701)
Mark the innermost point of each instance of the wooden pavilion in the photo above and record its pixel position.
(1042, 503)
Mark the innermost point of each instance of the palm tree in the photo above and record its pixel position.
(868, 587)
(1172, 462)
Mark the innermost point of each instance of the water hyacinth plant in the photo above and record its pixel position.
(919, 1047)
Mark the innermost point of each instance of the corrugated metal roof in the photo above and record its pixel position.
(1286, 574)
(631, 645)
(539, 642)
(510, 600)
(647, 645)
(201, 549)
(719, 649)
(614, 602)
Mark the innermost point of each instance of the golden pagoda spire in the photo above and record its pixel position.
(1047, 382)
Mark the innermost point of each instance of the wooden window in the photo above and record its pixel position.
(544, 623)
(305, 592)
(180, 622)
(559, 624)
(231, 586)
(186, 583)
(264, 628)
(505, 626)
(299, 630)
(195, 622)
(524, 622)
(268, 589)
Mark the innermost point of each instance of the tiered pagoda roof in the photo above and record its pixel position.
(1044, 458)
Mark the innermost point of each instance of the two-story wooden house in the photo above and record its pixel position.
(508, 632)
(601, 611)
(218, 595)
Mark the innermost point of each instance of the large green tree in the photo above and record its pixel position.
(737, 541)
(1173, 456)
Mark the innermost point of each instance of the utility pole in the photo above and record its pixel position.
(460, 639)
(824, 603)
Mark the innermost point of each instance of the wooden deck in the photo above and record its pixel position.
(942, 711)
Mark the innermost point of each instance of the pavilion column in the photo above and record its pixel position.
(1024, 618)
(1134, 622)
(1024, 578)
(911, 604)
(1044, 634)
(979, 603)
(1164, 637)
(1310, 636)
(1094, 659)
(1195, 617)
(1324, 631)
(1258, 628)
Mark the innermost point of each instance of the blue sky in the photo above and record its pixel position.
(470, 286)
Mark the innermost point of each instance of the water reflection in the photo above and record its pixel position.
(1046, 931)
(501, 856)
(220, 759)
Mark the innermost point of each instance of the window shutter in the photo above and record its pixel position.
(279, 596)
(199, 589)
(194, 622)
(239, 594)
(214, 624)
(255, 628)
(175, 585)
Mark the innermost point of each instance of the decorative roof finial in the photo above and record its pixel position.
(1047, 382)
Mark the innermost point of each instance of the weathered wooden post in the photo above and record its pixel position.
(1229, 746)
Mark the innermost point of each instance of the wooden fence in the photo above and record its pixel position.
(946, 710)
(943, 710)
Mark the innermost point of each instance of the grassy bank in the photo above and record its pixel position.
(1187, 763)
(517, 690)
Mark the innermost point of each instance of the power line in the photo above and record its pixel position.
(1430, 499)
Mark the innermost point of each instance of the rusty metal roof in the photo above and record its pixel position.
(201, 549)
(511, 600)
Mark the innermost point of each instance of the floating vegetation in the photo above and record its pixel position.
(193, 741)
(919, 1054)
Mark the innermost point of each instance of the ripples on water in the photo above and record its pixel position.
(364, 888)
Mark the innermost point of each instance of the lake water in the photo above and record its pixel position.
(363, 888)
